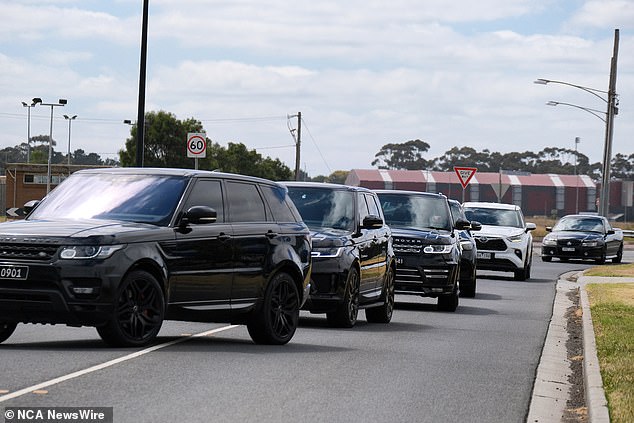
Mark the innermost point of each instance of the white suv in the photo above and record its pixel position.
(504, 243)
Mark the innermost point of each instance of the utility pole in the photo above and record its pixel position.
(604, 201)
(298, 140)
(140, 121)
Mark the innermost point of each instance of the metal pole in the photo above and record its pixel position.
(140, 121)
(576, 179)
(604, 204)
(50, 153)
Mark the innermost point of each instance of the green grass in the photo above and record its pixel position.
(612, 308)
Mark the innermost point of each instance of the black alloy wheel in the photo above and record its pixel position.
(383, 313)
(278, 317)
(346, 314)
(138, 314)
(6, 330)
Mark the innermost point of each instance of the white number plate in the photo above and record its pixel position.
(14, 272)
(567, 249)
(399, 260)
(485, 256)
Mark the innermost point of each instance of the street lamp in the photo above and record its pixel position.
(60, 102)
(595, 112)
(69, 119)
(28, 129)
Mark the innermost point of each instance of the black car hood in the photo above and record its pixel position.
(428, 236)
(41, 230)
(576, 235)
(329, 237)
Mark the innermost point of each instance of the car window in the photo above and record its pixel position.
(114, 196)
(276, 198)
(245, 203)
(418, 211)
(456, 212)
(207, 192)
(495, 217)
(373, 206)
(323, 207)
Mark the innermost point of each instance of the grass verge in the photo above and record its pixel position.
(612, 308)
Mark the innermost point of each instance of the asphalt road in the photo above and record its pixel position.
(475, 365)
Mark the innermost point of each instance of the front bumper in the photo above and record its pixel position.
(427, 275)
(576, 252)
(506, 257)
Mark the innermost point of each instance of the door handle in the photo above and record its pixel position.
(271, 234)
(223, 236)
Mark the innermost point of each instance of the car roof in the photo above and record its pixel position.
(188, 173)
(329, 185)
(487, 205)
(404, 192)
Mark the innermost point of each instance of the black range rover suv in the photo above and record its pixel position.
(426, 244)
(353, 261)
(123, 249)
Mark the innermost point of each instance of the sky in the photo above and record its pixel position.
(363, 73)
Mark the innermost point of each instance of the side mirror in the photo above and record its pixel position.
(475, 225)
(610, 232)
(549, 228)
(372, 222)
(29, 206)
(199, 215)
(462, 224)
(530, 227)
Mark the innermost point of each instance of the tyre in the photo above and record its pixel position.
(601, 260)
(448, 302)
(346, 314)
(6, 330)
(383, 313)
(619, 255)
(138, 314)
(523, 274)
(547, 258)
(468, 287)
(278, 317)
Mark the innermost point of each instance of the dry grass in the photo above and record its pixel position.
(619, 270)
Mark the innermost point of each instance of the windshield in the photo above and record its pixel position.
(495, 217)
(324, 207)
(416, 211)
(134, 198)
(584, 224)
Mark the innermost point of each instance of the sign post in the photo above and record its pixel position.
(464, 176)
(196, 146)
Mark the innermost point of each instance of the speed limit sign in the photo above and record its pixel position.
(196, 145)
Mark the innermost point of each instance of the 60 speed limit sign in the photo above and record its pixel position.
(196, 145)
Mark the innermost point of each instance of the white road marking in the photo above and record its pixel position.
(109, 363)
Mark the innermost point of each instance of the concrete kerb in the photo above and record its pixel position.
(593, 383)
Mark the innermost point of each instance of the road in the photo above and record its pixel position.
(475, 365)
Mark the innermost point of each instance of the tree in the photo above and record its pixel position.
(336, 177)
(165, 138)
(407, 155)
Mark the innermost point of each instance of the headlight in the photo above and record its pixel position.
(516, 238)
(88, 251)
(549, 241)
(593, 243)
(438, 249)
(466, 245)
(327, 252)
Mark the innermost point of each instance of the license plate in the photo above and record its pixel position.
(14, 272)
(485, 256)
(399, 260)
(567, 249)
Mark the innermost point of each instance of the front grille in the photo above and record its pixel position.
(413, 275)
(491, 244)
(407, 245)
(41, 252)
(568, 242)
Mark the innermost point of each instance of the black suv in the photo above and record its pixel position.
(468, 260)
(426, 244)
(353, 261)
(123, 249)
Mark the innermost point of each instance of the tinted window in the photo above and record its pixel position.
(207, 192)
(276, 197)
(114, 196)
(245, 203)
(324, 207)
(456, 211)
(373, 206)
(418, 211)
(579, 224)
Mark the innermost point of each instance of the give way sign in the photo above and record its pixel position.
(465, 174)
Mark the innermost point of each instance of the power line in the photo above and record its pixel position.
(316, 146)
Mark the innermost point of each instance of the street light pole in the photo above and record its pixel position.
(61, 102)
(612, 110)
(577, 140)
(69, 119)
(28, 130)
